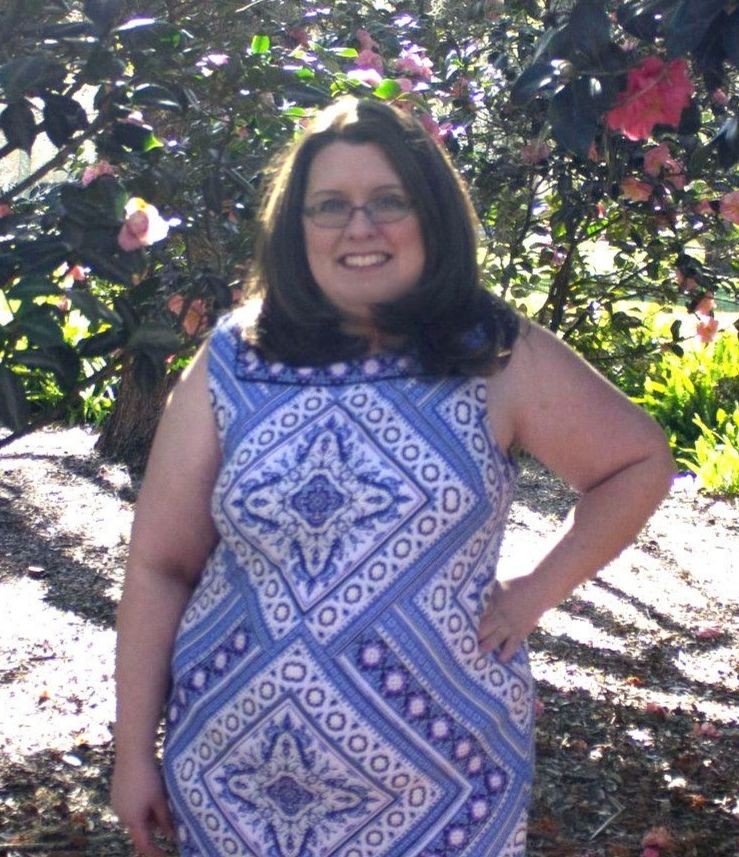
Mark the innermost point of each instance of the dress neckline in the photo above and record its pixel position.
(252, 365)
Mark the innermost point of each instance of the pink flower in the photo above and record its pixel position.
(370, 59)
(101, 168)
(659, 161)
(705, 730)
(5, 209)
(710, 632)
(367, 76)
(143, 225)
(438, 132)
(650, 852)
(656, 94)
(405, 83)
(703, 206)
(719, 97)
(706, 329)
(195, 319)
(413, 62)
(658, 710)
(299, 35)
(366, 42)
(535, 152)
(658, 837)
(729, 206)
(706, 305)
(635, 190)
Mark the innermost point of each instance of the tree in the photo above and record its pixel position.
(597, 142)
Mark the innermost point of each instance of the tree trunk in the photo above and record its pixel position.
(127, 434)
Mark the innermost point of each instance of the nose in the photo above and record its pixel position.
(360, 223)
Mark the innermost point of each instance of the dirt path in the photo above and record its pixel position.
(638, 672)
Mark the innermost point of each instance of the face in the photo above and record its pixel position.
(363, 263)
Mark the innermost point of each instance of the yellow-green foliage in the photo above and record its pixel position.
(715, 457)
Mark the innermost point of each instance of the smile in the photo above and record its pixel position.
(366, 260)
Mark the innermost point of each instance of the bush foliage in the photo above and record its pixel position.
(592, 187)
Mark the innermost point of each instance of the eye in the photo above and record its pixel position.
(332, 205)
(390, 202)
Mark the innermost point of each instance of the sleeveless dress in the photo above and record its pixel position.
(328, 695)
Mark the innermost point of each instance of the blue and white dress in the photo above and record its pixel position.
(329, 698)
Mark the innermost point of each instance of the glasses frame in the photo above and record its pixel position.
(310, 211)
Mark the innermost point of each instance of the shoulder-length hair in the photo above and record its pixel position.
(451, 322)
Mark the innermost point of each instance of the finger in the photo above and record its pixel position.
(508, 649)
(494, 639)
(163, 817)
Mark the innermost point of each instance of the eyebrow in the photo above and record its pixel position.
(340, 192)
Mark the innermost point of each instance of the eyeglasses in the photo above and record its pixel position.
(336, 213)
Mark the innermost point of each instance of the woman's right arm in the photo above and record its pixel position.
(172, 535)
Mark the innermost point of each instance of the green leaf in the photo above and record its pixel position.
(148, 34)
(156, 96)
(688, 25)
(536, 78)
(644, 17)
(730, 38)
(152, 337)
(33, 287)
(92, 307)
(41, 327)
(345, 53)
(101, 204)
(387, 89)
(128, 314)
(28, 74)
(260, 44)
(62, 360)
(102, 65)
(62, 117)
(589, 27)
(103, 13)
(101, 344)
(573, 116)
(14, 410)
(19, 126)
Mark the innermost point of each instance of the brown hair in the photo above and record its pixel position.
(449, 319)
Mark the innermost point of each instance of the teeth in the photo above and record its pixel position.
(364, 261)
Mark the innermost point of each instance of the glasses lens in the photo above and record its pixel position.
(387, 209)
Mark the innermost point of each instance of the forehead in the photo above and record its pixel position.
(350, 166)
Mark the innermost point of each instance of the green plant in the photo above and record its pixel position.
(697, 385)
(715, 457)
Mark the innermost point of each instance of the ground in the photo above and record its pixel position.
(638, 724)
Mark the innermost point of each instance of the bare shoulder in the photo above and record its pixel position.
(172, 527)
(567, 415)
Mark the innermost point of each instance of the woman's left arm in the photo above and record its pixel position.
(587, 432)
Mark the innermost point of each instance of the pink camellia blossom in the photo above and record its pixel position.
(370, 59)
(706, 305)
(729, 206)
(5, 209)
(709, 632)
(195, 319)
(656, 94)
(706, 329)
(299, 35)
(719, 97)
(658, 837)
(433, 128)
(649, 851)
(703, 206)
(535, 152)
(659, 162)
(367, 76)
(101, 168)
(366, 42)
(413, 62)
(635, 190)
(405, 83)
(143, 225)
(705, 730)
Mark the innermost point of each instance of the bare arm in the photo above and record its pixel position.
(172, 535)
(552, 404)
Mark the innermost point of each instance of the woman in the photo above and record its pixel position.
(314, 549)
